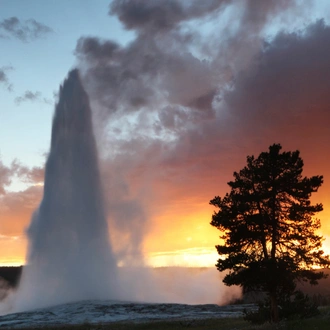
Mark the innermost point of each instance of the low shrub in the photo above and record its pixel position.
(297, 306)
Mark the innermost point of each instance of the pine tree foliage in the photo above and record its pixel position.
(268, 223)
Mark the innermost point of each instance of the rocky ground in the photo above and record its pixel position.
(102, 312)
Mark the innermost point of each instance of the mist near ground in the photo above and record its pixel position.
(184, 285)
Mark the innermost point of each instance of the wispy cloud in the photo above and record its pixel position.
(6, 173)
(32, 97)
(25, 31)
(4, 80)
(16, 206)
(32, 176)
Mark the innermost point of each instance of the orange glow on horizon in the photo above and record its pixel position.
(178, 236)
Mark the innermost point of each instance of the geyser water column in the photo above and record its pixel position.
(69, 256)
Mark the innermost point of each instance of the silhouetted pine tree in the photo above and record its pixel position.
(269, 239)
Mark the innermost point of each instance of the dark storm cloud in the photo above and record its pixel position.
(25, 31)
(164, 15)
(202, 101)
(282, 97)
(95, 50)
(4, 80)
(172, 117)
(142, 75)
(257, 12)
(288, 82)
(243, 36)
(32, 97)
(151, 70)
(119, 77)
(161, 15)
(177, 66)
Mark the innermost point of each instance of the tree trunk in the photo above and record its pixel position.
(274, 315)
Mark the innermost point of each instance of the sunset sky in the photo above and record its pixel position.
(181, 92)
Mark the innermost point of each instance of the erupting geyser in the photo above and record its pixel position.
(69, 255)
